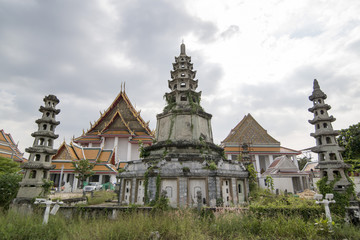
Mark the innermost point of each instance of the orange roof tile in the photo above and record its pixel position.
(105, 156)
(92, 153)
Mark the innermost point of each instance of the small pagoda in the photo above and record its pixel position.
(331, 164)
(183, 161)
(39, 164)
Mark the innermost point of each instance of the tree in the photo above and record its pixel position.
(9, 181)
(302, 162)
(84, 168)
(350, 139)
(8, 165)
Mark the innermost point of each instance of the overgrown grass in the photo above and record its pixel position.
(101, 197)
(179, 224)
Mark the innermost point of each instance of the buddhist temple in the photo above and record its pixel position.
(331, 164)
(183, 162)
(39, 164)
(9, 149)
(119, 128)
(111, 141)
(286, 176)
(262, 148)
(105, 170)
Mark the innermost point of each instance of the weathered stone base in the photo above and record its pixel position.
(226, 182)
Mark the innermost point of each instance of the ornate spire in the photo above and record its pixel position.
(330, 160)
(183, 93)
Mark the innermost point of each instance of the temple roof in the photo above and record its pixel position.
(282, 166)
(105, 159)
(120, 119)
(9, 149)
(248, 130)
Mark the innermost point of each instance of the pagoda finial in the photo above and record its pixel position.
(121, 87)
(182, 48)
(316, 84)
(124, 87)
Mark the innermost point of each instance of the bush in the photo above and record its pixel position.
(9, 186)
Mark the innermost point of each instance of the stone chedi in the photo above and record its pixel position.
(39, 164)
(331, 164)
(183, 161)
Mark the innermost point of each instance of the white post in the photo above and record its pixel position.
(60, 180)
(128, 157)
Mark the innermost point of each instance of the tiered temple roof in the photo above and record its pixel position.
(249, 131)
(120, 120)
(9, 149)
(105, 159)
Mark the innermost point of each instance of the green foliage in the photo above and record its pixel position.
(341, 199)
(180, 224)
(302, 162)
(252, 177)
(8, 165)
(350, 139)
(270, 205)
(269, 183)
(170, 104)
(211, 165)
(324, 228)
(9, 186)
(143, 151)
(101, 197)
(47, 185)
(84, 168)
(120, 170)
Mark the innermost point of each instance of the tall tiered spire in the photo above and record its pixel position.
(182, 84)
(331, 164)
(37, 169)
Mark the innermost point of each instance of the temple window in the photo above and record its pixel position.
(49, 103)
(50, 143)
(321, 157)
(47, 158)
(322, 112)
(182, 59)
(320, 142)
(44, 127)
(182, 84)
(183, 98)
(316, 113)
(328, 140)
(41, 141)
(175, 86)
(336, 174)
(182, 66)
(47, 114)
(51, 128)
(325, 125)
(32, 174)
(319, 101)
(317, 126)
(332, 156)
(183, 74)
(37, 157)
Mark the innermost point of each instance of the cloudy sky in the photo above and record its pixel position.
(251, 56)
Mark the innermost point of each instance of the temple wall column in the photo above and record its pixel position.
(257, 167)
(128, 156)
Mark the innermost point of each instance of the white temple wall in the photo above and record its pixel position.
(122, 149)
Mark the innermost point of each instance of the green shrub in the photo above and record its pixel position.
(9, 186)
